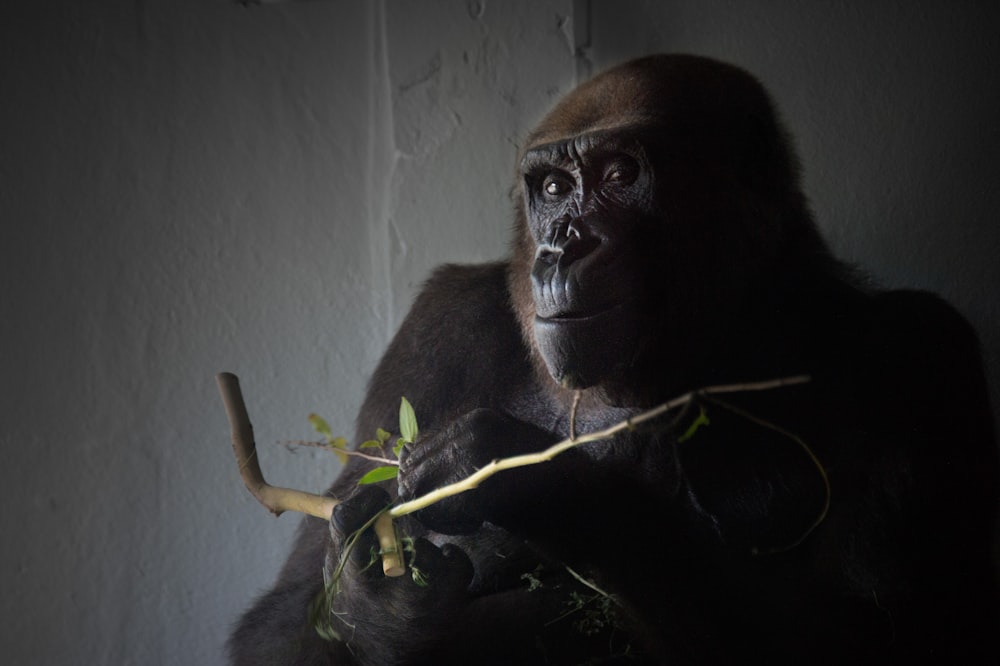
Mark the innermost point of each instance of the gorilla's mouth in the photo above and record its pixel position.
(583, 349)
(584, 317)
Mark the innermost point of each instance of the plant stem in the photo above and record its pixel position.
(514, 462)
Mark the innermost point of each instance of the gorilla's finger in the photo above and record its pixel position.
(459, 567)
(351, 514)
(447, 568)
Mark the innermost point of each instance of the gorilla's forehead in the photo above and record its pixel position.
(566, 129)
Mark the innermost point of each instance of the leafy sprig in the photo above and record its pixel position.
(408, 431)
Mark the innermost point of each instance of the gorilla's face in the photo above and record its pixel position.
(652, 204)
(587, 199)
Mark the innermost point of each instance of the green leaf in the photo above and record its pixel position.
(533, 581)
(338, 445)
(371, 444)
(319, 616)
(701, 420)
(400, 443)
(321, 426)
(407, 421)
(382, 436)
(379, 474)
(419, 577)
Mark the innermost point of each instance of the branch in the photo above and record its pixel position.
(473, 481)
(278, 500)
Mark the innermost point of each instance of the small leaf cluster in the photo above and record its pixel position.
(700, 420)
(337, 444)
(408, 434)
(408, 431)
(598, 612)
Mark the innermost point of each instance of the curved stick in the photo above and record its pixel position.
(278, 500)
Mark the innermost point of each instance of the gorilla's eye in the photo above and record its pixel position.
(556, 185)
(621, 171)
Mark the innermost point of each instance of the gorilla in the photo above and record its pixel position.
(663, 245)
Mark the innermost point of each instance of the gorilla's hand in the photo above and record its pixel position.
(376, 616)
(456, 452)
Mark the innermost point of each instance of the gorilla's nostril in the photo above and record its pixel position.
(573, 228)
(578, 246)
(547, 254)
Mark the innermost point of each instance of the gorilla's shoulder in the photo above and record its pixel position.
(918, 336)
(461, 330)
(465, 290)
(912, 316)
(464, 306)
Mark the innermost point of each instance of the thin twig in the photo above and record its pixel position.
(821, 516)
(347, 452)
(590, 584)
(572, 414)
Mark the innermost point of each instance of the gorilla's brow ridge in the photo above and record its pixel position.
(574, 150)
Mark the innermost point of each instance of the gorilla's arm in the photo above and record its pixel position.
(446, 352)
(457, 350)
(276, 630)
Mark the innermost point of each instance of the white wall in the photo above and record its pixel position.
(190, 186)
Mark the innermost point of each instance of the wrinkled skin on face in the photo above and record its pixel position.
(587, 201)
